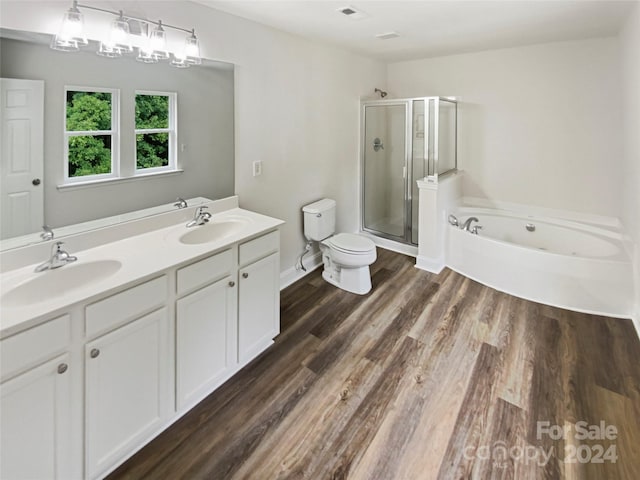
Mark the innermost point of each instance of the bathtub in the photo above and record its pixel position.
(567, 264)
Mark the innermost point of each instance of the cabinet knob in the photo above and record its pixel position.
(62, 368)
(232, 283)
(94, 352)
(245, 275)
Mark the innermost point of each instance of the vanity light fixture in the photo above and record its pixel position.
(190, 55)
(158, 42)
(119, 41)
(192, 49)
(152, 45)
(71, 34)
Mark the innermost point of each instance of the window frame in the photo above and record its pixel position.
(172, 149)
(114, 133)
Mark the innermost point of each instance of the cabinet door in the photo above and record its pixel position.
(205, 340)
(126, 385)
(258, 306)
(36, 422)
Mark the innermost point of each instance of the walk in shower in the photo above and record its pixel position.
(402, 141)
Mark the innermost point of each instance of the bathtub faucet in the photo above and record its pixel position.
(467, 224)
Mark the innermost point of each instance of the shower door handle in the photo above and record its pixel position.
(404, 172)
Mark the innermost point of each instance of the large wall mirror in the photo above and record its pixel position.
(205, 136)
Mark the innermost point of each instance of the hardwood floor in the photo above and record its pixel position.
(428, 376)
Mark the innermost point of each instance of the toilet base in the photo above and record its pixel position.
(355, 280)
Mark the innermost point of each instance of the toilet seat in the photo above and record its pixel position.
(351, 243)
(350, 250)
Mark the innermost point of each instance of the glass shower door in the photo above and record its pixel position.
(385, 169)
(419, 158)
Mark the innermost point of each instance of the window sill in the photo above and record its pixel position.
(111, 181)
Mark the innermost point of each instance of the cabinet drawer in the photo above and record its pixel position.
(259, 247)
(205, 271)
(34, 346)
(124, 306)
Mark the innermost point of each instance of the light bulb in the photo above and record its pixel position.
(119, 34)
(158, 41)
(72, 24)
(192, 46)
(71, 33)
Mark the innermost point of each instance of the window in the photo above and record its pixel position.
(155, 131)
(95, 146)
(91, 134)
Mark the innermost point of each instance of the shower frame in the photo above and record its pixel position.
(430, 157)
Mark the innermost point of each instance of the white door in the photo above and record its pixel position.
(258, 306)
(126, 377)
(21, 156)
(205, 340)
(36, 423)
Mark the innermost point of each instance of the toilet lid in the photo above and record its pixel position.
(350, 242)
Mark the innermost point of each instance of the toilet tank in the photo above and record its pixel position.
(319, 219)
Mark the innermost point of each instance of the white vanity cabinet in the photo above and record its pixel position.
(205, 326)
(232, 316)
(127, 373)
(259, 295)
(35, 405)
(88, 377)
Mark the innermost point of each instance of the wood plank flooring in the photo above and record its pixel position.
(426, 377)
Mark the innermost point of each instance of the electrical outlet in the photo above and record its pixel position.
(257, 168)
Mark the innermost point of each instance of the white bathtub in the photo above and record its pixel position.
(562, 263)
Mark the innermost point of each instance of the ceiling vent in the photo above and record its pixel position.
(352, 13)
(388, 35)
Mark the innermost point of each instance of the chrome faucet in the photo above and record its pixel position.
(181, 203)
(200, 217)
(59, 258)
(47, 233)
(467, 224)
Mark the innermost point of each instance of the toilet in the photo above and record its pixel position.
(346, 256)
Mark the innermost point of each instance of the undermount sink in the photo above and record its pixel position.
(53, 283)
(212, 231)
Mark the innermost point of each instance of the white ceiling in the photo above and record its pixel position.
(434, 28)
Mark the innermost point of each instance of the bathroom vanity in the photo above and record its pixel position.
(101, 355)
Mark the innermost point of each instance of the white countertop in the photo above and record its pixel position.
(142, 256)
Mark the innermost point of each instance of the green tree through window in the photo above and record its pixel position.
(87, 112)
(152, 131)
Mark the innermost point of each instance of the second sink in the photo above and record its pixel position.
(213, 231)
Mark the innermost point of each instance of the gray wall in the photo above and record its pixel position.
(205, 127)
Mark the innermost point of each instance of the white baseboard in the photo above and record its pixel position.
(433, 265)
(292, 274)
